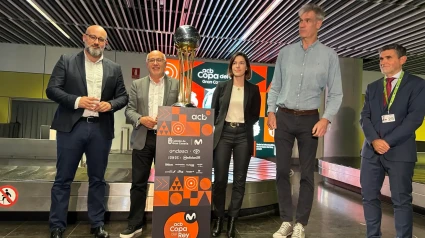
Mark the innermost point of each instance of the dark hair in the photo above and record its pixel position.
(401, 51)
(248, 73)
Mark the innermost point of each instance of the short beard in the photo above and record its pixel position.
(94, 52)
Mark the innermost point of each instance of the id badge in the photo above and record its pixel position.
(388, 118)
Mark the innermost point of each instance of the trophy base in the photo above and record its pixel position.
(181, 104)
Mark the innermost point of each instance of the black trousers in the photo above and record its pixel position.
(141, 168)
(289, 127)
(84, 138)
(232, 139)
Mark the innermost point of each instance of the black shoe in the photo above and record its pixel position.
(131, 231)
(231, 225)
(99, 232)
(218, 226)
(56, 233)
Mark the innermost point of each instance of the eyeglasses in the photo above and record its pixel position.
(94, 38)
(159, 60)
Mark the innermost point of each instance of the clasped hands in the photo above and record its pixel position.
(380, 146)
(94, 104)
(148, 121)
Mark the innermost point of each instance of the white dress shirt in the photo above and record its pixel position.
(156, 97)
(394, 82)
(94, 77)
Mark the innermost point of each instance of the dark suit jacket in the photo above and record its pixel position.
(68, 82)
(220, 104)
(409, 111)
(138, 105)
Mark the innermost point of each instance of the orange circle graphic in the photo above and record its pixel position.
(205, 183)
(208, 113)
(176, 198)
(207, 129)
(191, 183)
(178, 128)
(177, 226)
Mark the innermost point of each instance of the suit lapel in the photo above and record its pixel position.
(402, 84)
(145, 93)
(403, 81)
(82, 68)
(245, 95)
(380, 92)
(227, 94)
(105, 67)
(167, 87)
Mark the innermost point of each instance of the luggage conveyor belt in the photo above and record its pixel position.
(34, 183)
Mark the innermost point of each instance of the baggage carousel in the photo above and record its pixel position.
(29, 188)
(346, 171)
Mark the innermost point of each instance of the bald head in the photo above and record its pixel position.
(154, 54)
(96, 30)
(95, 40)
(156, 63)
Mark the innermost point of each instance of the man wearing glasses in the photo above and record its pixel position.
(146, 95)
(88, 89)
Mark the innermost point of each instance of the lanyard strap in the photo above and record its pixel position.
(394, 91)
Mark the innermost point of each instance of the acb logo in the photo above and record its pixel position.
(182, 224)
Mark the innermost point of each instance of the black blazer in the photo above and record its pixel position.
(408, 109)
(68, 82)
(220, 103)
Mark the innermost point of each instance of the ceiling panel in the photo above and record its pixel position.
(354, 28)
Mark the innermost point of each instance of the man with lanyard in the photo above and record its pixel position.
(394, 108)
(303, 70)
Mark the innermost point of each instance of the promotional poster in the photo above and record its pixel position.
(183, 173)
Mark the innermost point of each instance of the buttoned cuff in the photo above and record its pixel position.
(271, 109)
(77, 101)
(328, 117)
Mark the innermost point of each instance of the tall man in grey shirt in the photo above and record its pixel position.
(303, 70)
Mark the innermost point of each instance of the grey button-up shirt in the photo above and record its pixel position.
(300, 77)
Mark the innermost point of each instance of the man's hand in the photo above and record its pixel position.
(89, 103)
(103, 107)
(147, 121)
(271, 121)
(380, 146)
(320, 128)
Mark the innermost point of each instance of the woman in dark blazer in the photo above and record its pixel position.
(237, 108)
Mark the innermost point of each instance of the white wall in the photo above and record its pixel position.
(22, 58)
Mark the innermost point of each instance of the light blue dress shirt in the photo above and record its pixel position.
(300, 77)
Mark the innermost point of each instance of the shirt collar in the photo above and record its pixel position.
(87, 58)
(311, 46)
(397, 75)
(160, 80)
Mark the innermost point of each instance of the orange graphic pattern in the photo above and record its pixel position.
(177, 124)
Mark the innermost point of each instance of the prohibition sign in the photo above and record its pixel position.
(8, 196)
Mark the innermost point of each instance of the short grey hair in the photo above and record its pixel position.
(320, 14)
(147, 57)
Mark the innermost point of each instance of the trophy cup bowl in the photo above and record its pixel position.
(186, 41)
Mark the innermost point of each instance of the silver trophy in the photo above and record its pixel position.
(186, 41)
